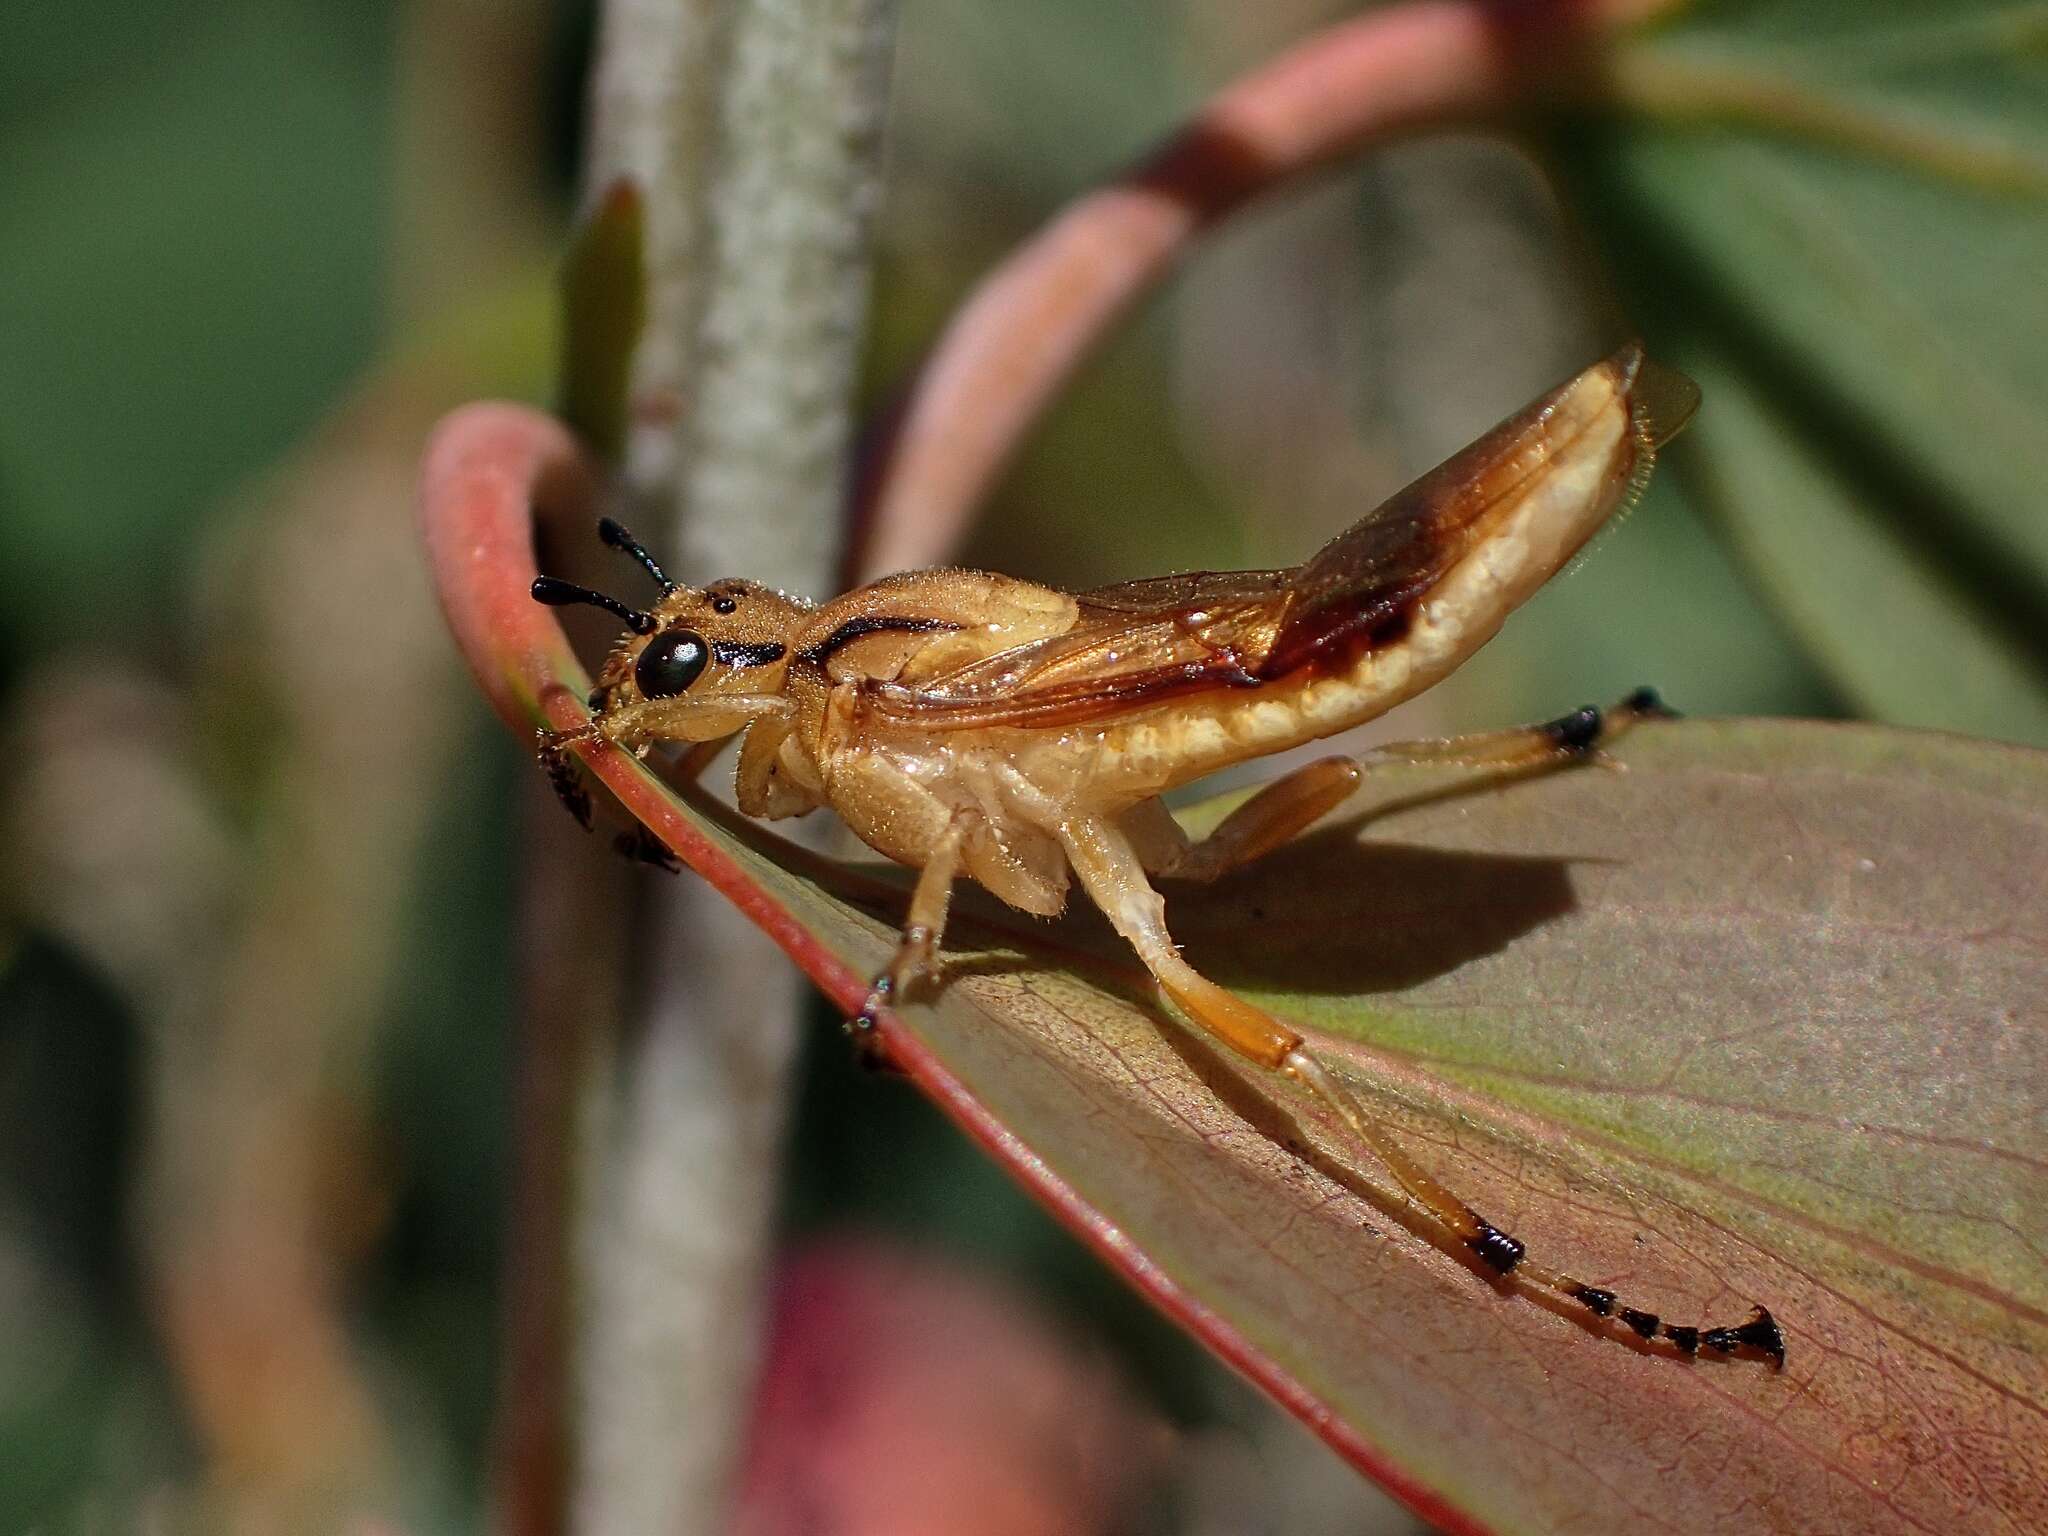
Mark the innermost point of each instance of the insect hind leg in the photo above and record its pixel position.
(1278, 812)
(1110, 868)
(1507, 1256)
(1573, 737)
(1296, 801)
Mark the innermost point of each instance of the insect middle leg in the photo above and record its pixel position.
(1109, 867)
(1291, 804)
(923, 926)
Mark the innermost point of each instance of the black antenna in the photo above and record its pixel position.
(562, 594)
(615, 533)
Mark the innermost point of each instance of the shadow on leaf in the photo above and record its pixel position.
(1332, 915)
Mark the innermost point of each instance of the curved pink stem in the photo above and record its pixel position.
(488, 467)
(1033, 319)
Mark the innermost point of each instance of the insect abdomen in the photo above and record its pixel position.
(1511, 511)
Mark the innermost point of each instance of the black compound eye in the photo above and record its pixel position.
(670, 662)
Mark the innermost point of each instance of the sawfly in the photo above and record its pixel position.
(967, 723)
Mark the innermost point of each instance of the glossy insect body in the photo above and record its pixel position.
(964, 722)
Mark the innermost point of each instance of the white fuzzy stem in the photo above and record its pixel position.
(753, 127)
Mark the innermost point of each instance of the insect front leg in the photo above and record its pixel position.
(923, 926)
(1110, 868)
(1291, 804)
(565, 775)
(564, 769)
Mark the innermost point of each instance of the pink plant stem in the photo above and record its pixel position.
(488, 466)
(489, 469)
(1033, 319)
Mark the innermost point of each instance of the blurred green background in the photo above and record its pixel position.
(259, 834)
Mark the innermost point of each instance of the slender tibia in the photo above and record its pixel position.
(1109, 867)
(923, 926)
(1567, 739)
(1279, 811)
(1115, 879)
(1298, 800)
(1506, 1255)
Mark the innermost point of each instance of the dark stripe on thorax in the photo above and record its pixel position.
(867, 624)
(734, 654)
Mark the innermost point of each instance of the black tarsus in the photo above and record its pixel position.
(863, 1029)
(1581, 730)
(878, 994)
(1650, 704)
(618, 536)
(1687, 1339)
(1600, 1303)
(557, 593)
(1760, 1333)
(1576, 731)
(1499, 1252)
(1642, 1324)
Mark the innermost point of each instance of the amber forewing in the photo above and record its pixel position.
(1146, 642)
